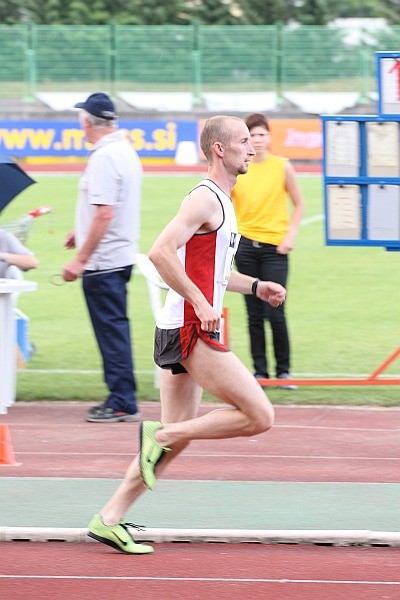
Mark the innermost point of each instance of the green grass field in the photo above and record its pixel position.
(343, 305)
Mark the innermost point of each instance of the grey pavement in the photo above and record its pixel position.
(65, 503)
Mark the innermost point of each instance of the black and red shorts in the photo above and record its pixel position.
(172, 346)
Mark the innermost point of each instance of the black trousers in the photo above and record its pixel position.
(106, 299)
(266, 264)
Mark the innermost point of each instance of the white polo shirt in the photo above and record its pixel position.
(113, 176)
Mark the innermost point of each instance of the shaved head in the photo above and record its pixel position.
(217, 129)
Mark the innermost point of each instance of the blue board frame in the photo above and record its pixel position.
(362, 179)
(379, 56)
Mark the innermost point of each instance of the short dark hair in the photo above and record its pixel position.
(216, 129)
(257, 120)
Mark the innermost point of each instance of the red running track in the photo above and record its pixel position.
(316, 444)
(306, 444)
(202, 571)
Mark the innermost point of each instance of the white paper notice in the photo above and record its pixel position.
(342, 149)
(390, 76)
(344, 212)
(383, 145)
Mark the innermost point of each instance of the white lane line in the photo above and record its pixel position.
(19, 424)
(95, 372)
(69, 372)
(367, 429)
(201, 579)
(313, 219)
(216, 455)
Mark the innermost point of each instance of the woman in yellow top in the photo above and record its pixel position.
(268, 235)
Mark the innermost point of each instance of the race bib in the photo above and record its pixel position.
(230, 255)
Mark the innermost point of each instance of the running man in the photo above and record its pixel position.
(194, 255)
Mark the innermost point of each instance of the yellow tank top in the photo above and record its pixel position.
(260, 201)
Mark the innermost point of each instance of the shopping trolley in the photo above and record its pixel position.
(22, 226)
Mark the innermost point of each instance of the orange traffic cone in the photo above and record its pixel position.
(7, 457)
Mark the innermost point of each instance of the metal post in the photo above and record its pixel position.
(364, 71)
(30, 63)
(278, 60)
(112, 75)
(196, 53)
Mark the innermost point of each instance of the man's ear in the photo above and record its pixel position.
(218, 148)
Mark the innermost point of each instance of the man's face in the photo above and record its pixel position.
(86, 128)
(240, 151)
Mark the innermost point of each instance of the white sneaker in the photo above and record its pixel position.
(289, 386)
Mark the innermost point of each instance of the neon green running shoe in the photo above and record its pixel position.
(150, 452)
(117, 536)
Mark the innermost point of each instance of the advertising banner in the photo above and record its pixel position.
(296, 139)
(151, 139)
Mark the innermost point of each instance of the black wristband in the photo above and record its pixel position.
(254, 287)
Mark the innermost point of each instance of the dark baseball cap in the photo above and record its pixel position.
(99, 105)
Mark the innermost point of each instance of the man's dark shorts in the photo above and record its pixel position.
(172, 346)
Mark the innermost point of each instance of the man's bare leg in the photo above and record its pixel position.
(223, 375)
(180, 401)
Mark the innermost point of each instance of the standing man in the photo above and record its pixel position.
(106, 236)
(194, 255)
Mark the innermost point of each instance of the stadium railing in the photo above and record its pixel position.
(196, 59)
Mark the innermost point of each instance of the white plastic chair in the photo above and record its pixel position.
(154, 285)
(13, 272)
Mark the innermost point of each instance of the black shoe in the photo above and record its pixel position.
(105, 414)
(94, 409)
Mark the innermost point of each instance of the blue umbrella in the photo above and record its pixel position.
(12, 180)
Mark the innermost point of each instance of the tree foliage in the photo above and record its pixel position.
(154, 12)
(266, 12)
(183, 12)
(103, 12)
(213, 12)
(316, 12)
(76, 12)
(10, 12)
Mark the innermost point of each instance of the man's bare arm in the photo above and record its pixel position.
(200, 211)
(268, 291)
(100, 224)
(22, 261)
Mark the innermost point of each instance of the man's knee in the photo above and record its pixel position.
(264, 419)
